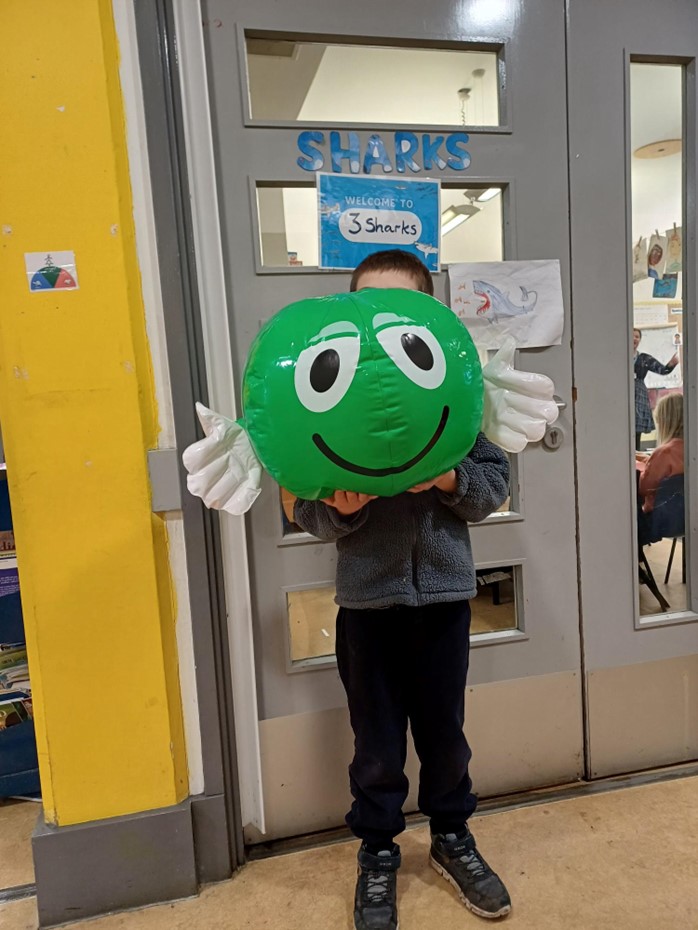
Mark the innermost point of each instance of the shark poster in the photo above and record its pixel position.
(519, 299)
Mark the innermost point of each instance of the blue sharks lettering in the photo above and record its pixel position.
(403, 154)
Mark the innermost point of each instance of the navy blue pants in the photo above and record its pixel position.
(402, 664)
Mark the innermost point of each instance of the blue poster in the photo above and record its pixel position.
(362, 215)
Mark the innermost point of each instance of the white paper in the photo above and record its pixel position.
(650, 315)
(659, 343)
(521, 299)
(656, 256)
(674, 250)
(640, 260)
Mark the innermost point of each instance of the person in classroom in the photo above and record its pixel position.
(642, 364)
(668, 458)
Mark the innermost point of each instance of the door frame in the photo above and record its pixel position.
(217, 812)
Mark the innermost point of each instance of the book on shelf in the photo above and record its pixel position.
(9, 658)
(15, 708)
(14, 669)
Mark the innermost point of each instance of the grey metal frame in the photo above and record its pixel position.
(688, 300)
(221, 850)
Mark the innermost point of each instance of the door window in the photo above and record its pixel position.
(302, 80)
(658, 256)
(287, 220)
(311, 614)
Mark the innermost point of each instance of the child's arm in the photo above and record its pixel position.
(331, 521)
(482, 482)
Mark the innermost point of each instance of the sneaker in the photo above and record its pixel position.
(375, 903)
(479, 888)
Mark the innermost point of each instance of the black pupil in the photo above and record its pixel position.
(417, 351)
(324, 370)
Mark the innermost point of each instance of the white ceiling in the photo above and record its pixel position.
(655, 114)
(655, 103)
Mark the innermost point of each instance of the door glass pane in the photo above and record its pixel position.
(495, 608)
(307, 81)
(312, 612)
(311, 622)
(657, 337)
(471, 225)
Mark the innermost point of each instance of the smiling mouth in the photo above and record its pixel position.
(381, 472)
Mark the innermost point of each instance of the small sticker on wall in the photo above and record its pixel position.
(51, 271)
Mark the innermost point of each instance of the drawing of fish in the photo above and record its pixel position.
(499, 304)
(426, 249)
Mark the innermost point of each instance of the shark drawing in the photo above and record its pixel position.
(499, 304)
(426, 249)
(327, 209)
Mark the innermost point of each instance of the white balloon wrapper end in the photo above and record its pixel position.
(518, 405)
(223, 468)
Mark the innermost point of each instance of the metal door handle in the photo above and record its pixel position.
(560, 403)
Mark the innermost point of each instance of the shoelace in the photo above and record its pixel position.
(377, 887)
(473, 864)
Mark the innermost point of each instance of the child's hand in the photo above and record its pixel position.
(446, 483)
(348, 502)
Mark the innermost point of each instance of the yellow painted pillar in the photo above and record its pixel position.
(78, 414)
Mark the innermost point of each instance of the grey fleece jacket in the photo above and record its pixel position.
(413, 549)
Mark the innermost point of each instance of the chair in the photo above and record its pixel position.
(646, 534)
(669, 518)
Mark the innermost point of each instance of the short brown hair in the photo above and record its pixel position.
(396, 260)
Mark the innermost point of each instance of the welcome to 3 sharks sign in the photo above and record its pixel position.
(362, 215)
(358, 215)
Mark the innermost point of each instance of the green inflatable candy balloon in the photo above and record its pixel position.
(374, 391)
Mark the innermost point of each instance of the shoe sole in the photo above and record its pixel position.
(488, 915)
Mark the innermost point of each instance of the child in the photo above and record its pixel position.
(405, 575)
(668, 458)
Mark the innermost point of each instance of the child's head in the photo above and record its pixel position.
(669, 416)
(392, 268)
(637, 336)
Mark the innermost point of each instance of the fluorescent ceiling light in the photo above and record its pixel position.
(454, 222)
(489, 194)
(452, 217)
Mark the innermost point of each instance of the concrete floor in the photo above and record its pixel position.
(626, 859)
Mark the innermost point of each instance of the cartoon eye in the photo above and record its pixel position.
(416, 352)
(324, 372)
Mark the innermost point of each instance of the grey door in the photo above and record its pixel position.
(496, 72)
(633, 175)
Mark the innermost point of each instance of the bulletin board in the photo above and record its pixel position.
(659, 342)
